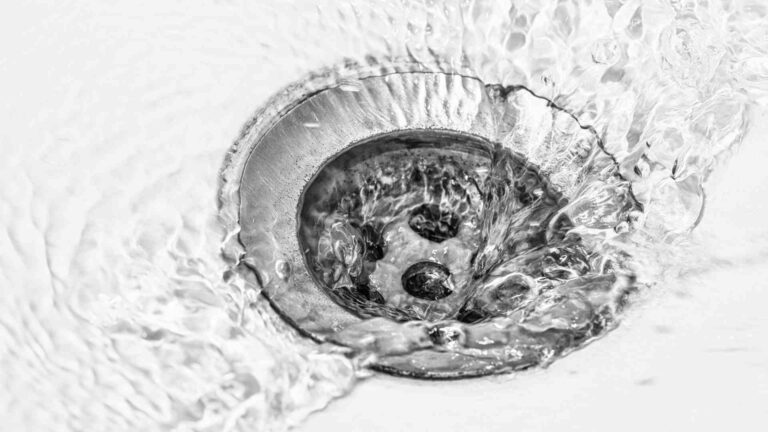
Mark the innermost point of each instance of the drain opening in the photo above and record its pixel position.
(409, 224)
(428, 280)
(472, 240)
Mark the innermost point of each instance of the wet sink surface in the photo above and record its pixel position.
(119, 312)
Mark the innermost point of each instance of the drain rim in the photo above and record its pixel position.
(252, 142)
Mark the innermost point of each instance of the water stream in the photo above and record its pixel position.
(121, 306)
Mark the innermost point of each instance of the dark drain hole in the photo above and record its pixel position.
(427, 280)
(434, 223)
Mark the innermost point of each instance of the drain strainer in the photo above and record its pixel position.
(430, 219)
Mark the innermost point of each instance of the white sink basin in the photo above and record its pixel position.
(118, 313)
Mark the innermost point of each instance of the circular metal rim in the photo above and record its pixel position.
(252, 140)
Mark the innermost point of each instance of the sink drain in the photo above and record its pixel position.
(431, 207)
(428, 280)
(396, 217)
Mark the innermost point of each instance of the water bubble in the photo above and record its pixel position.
(563, 20)
(751, 74)
(559, 310)
(283, 269)
(613, 6)
(635, 25)
(510, 293)
(350, 86)
(515, 41)
(690, 52)
(446, 335)
(605, 51)
(676, 206)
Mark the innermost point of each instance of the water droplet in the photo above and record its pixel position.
(283, 269)
(613, 6)
(690, 52)
(446, 335)
(350, 86)
(515, 41)
(635, 25)
(605, 51)
(510, 293)
(562, 20)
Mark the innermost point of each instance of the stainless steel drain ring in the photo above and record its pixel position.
(282, 150)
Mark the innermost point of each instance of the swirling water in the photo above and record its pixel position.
(468, 244)
(119, 309)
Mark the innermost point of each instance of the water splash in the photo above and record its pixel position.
(440, 230)
(116, 312)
